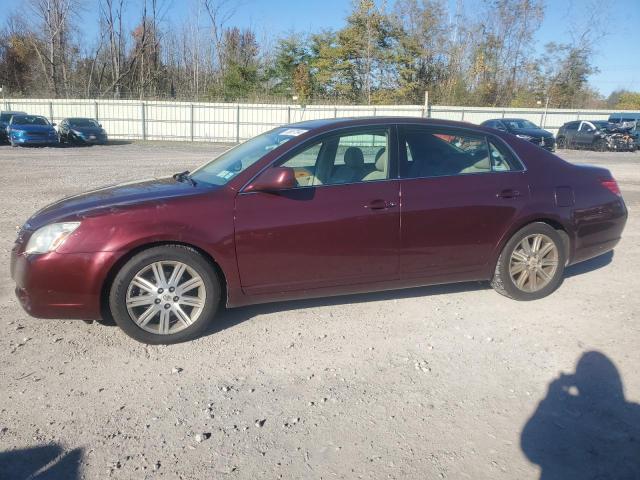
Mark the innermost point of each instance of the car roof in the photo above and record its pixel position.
(329, 123)
(13, 112)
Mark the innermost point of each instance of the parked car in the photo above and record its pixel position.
(86, 131)
(5, 118)
(314, 209)
(523, 129)
(630, 118)
(597, 135)
(31, 130)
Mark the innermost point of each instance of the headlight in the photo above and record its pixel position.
(77, 132)
(18, 133)
(524, 137)
(50, 237)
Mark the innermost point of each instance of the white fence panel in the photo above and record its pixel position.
(232, 122)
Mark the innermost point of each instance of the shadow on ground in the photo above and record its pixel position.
(47, 462)
(228, 318)
(584, 428)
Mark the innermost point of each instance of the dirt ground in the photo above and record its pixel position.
(438, 382)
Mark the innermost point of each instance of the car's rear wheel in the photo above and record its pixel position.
(561, 143)
(166, 294)
(531, 264)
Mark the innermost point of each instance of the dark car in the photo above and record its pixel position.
(31, 130)
(85, 131)
(315, 209)
(523, 129)
(5, 118)
(600, 135)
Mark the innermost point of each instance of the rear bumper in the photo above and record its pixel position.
(55, 285)
(598, 229)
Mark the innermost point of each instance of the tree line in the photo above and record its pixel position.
(383, 55)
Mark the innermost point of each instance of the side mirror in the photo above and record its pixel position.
(100, 125)
(274, 179)
(53, 124)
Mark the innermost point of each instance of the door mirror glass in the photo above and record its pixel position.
(273, 180)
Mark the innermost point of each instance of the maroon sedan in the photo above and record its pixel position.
(317, 208)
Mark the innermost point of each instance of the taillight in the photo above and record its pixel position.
(611, 185)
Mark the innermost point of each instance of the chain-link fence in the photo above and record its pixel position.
(234, 122)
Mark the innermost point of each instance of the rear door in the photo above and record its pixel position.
(460, 193)
(340, 226)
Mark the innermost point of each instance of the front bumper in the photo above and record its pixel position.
(90, 139)
(40, 140)
(61, 285)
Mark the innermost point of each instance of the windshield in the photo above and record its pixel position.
(82, 122)
(232, 162)
(28, 120)
(520, 124)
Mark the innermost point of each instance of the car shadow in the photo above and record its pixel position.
(589, 265)
(584, 428)
(229, 317)
(47, 462)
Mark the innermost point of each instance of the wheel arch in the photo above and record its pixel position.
(550, 220)
(115, 268)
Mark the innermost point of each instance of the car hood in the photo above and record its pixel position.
(33, 128)
(125, 194)
(532, 132)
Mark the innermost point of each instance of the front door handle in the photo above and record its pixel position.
(508, 193)
(379, 204)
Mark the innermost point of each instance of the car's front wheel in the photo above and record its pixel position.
(531, 264)
(166, 294)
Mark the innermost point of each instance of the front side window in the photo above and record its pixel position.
(349, 158)
(437, 153)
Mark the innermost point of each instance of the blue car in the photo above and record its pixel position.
(31, 130)
(5, 118)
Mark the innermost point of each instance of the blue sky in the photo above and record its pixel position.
(617, 54)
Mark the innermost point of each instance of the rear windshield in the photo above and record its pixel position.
(29, 120)
(82, 122)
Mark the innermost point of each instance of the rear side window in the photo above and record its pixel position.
(571, 126)
(436, 153)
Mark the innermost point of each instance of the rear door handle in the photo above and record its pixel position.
(379, 204)
(508, 193)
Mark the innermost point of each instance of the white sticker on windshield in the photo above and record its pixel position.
(293, 132)
(224, 174)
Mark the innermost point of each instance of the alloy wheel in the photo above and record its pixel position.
(533, 263)
(165, 297)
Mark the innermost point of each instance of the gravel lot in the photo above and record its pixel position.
(435, 382)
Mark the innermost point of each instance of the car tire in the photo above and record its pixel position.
(561, 143)
(544, 267)
(600, 145)
(156, 320)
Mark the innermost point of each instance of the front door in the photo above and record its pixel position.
(340, 226)
(460, 193)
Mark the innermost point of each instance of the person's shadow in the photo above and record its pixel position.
(46, 462)
(584, 428)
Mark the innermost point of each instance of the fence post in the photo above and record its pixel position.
(288, 114)
(238, 123)
(462, 117)
(335, 112)
(143, 118)
(191, 121)
(95, 110)
(51, 111)
(374, 111)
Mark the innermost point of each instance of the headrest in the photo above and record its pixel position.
(381, 159)
(354, 158)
